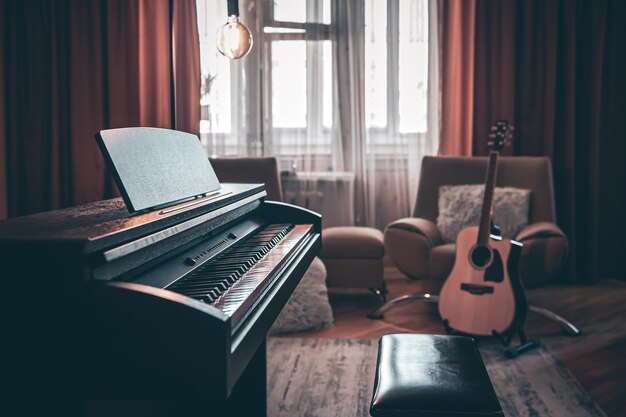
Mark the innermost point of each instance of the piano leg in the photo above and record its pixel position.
(249, 396)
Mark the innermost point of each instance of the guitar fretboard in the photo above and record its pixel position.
(486, 212)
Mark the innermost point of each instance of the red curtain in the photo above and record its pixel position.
(75, 67)
(556, 68)
(457, 26)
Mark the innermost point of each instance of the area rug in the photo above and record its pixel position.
(314, 377)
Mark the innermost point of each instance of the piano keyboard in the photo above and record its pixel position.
(234, 279)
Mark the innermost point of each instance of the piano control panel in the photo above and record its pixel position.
(193, 258)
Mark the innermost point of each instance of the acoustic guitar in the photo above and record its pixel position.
(483, 294)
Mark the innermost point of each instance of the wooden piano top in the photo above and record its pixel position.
(107, 223)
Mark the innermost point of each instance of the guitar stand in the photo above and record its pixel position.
(524, 346)
(565, 324)
(379, 313)
(506, 339)
(568, 327)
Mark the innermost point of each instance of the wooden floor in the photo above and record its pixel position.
(597, 358)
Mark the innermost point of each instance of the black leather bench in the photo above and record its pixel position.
(431, 376)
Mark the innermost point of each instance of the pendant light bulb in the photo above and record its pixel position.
(234, 39)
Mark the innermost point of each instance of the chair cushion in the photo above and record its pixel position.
(460, 205)
(352, 242)
(434, 376)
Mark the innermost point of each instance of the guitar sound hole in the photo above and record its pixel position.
(481, 256)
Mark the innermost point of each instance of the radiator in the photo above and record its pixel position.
(329, 193)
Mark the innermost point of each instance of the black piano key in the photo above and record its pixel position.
(200, 291)
(208, 298)
(203, 286)
(212, 279)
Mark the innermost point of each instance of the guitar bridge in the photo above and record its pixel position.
(477, 289)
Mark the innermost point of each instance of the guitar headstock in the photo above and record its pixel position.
(501, 134)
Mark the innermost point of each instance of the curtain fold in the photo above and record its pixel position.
(187, 58)
(494, 75)
(457, 20)
(350, 86)
(74, 68)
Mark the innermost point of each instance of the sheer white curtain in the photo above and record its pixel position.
(389, 100)
(344, 93)
(230, 92)
(300, 107)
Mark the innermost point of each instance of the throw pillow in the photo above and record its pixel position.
(459, 207)
(308, 307)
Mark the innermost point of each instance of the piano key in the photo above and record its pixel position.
(241, 295)
(210, 280)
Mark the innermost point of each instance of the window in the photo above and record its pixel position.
(280, 99)
(396, 72)
(297, 42)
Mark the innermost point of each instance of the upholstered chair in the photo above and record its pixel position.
(415, 244)
(417, 249)
(250, 170)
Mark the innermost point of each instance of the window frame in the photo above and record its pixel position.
(314, 34)
(256, 76)
(378, 138)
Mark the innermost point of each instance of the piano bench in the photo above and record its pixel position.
(431, 376)
(353, 257)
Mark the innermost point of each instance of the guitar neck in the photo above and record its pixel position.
(485, 215)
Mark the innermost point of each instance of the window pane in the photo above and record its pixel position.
(375, 63)
(289, 84)
(302, 11)
(290, 10)
(325, 12)
(413, 65)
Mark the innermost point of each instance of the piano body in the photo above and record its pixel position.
(171, 307)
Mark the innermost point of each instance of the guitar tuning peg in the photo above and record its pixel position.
(493, 128)
(492, 136)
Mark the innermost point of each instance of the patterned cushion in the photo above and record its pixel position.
(459, 207)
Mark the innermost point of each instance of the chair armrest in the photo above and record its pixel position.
(543, 255)
(423, 227)
(539, 230)
(408, 242)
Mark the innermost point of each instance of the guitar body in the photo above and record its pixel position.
(483, 293)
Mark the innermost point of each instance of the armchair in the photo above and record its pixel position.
(415, 244)
(417, 249)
